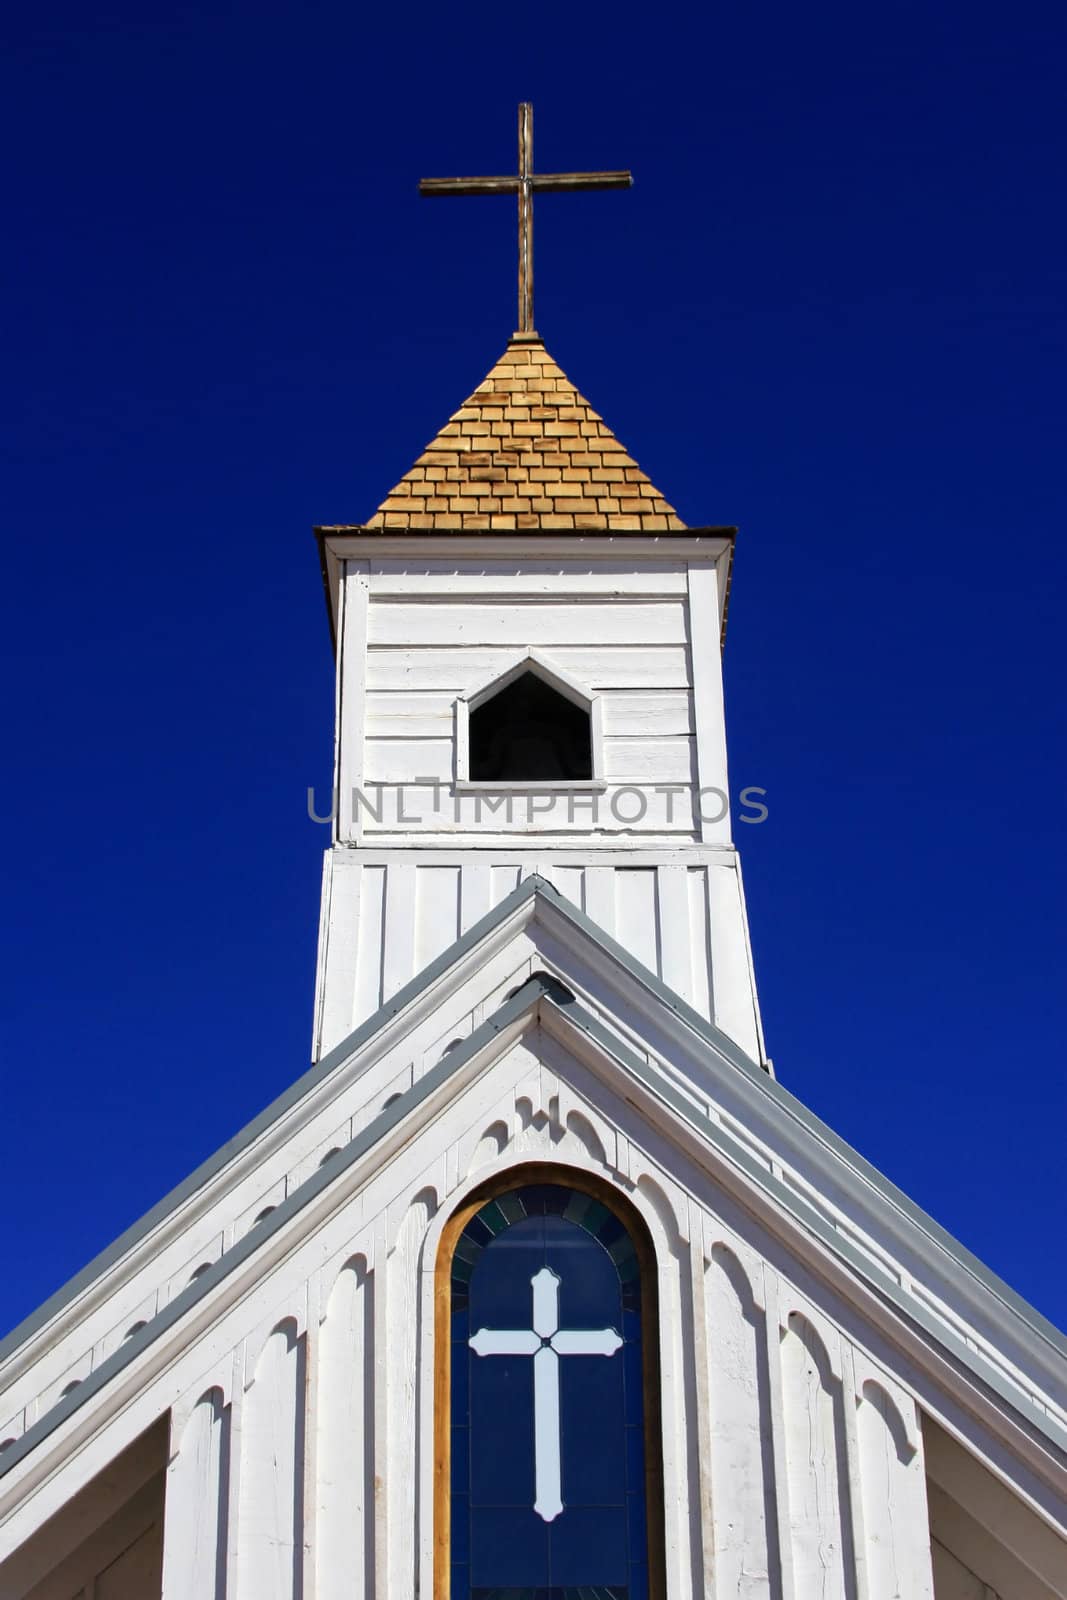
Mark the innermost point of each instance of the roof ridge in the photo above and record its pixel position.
(526, 452)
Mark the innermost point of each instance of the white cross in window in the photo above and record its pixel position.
(546, 1342)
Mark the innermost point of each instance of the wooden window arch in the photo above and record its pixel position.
(622, 1518)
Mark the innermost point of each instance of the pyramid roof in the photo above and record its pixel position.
(526, 452)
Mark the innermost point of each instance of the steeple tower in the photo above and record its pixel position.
(529, 679)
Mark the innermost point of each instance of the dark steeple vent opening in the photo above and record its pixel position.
(530, 733)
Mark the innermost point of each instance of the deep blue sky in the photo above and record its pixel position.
(831, 310)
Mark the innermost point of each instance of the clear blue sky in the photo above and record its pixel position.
(831, 310)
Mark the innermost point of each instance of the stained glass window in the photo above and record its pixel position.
(548, 1417)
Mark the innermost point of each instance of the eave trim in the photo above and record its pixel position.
(259, 1124)
(541, 984)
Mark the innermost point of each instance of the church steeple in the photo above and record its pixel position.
(529, 681)
(525, 451)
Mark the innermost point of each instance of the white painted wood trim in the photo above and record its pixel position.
(712, 772)
(532, 786)
(566, 684)
(594, 845)
(232, 1488)
(186, 1493)
(761, 1043)
(535, 661)
(380, 1410)
(867, 1586)
(596, 735)
(427, 669)
(722, 579)
(504, 581)
(337, 997)
(676, 954)
(338, 697)
(475, 888)
(453, 621)
(514, 852)
(572, 547)
(323, 951)
(352, 672)
(772, 1333)
(701, 1413)
(600, 896)
(399, 959)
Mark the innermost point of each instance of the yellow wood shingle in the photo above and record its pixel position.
(526, 451)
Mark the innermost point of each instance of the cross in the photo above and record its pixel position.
(524, 185)
(546, 1342)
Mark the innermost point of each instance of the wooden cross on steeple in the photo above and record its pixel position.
(524, 184)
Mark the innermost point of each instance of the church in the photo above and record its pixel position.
(538, 1284)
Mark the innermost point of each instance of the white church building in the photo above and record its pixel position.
(537, 1285)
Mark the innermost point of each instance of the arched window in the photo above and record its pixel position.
(548, 1442)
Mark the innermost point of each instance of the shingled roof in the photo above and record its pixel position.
(526, 451)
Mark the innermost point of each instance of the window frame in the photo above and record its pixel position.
(517, 1177)
(570, 688)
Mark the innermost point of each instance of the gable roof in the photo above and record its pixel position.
(526, 452)
(713, 1098)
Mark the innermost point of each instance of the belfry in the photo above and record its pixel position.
(537, 1284)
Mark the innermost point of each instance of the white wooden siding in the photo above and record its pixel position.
(461, 669)
(627, 759)
(547, 579)
(403, 714)
(747, 1563)
(763, 1393)
(547, 622)
(820, 1527)
(270, 1520)
(344, 1480)
(652, 813)
(196, 1503)
(400, 909)
(420, 635)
